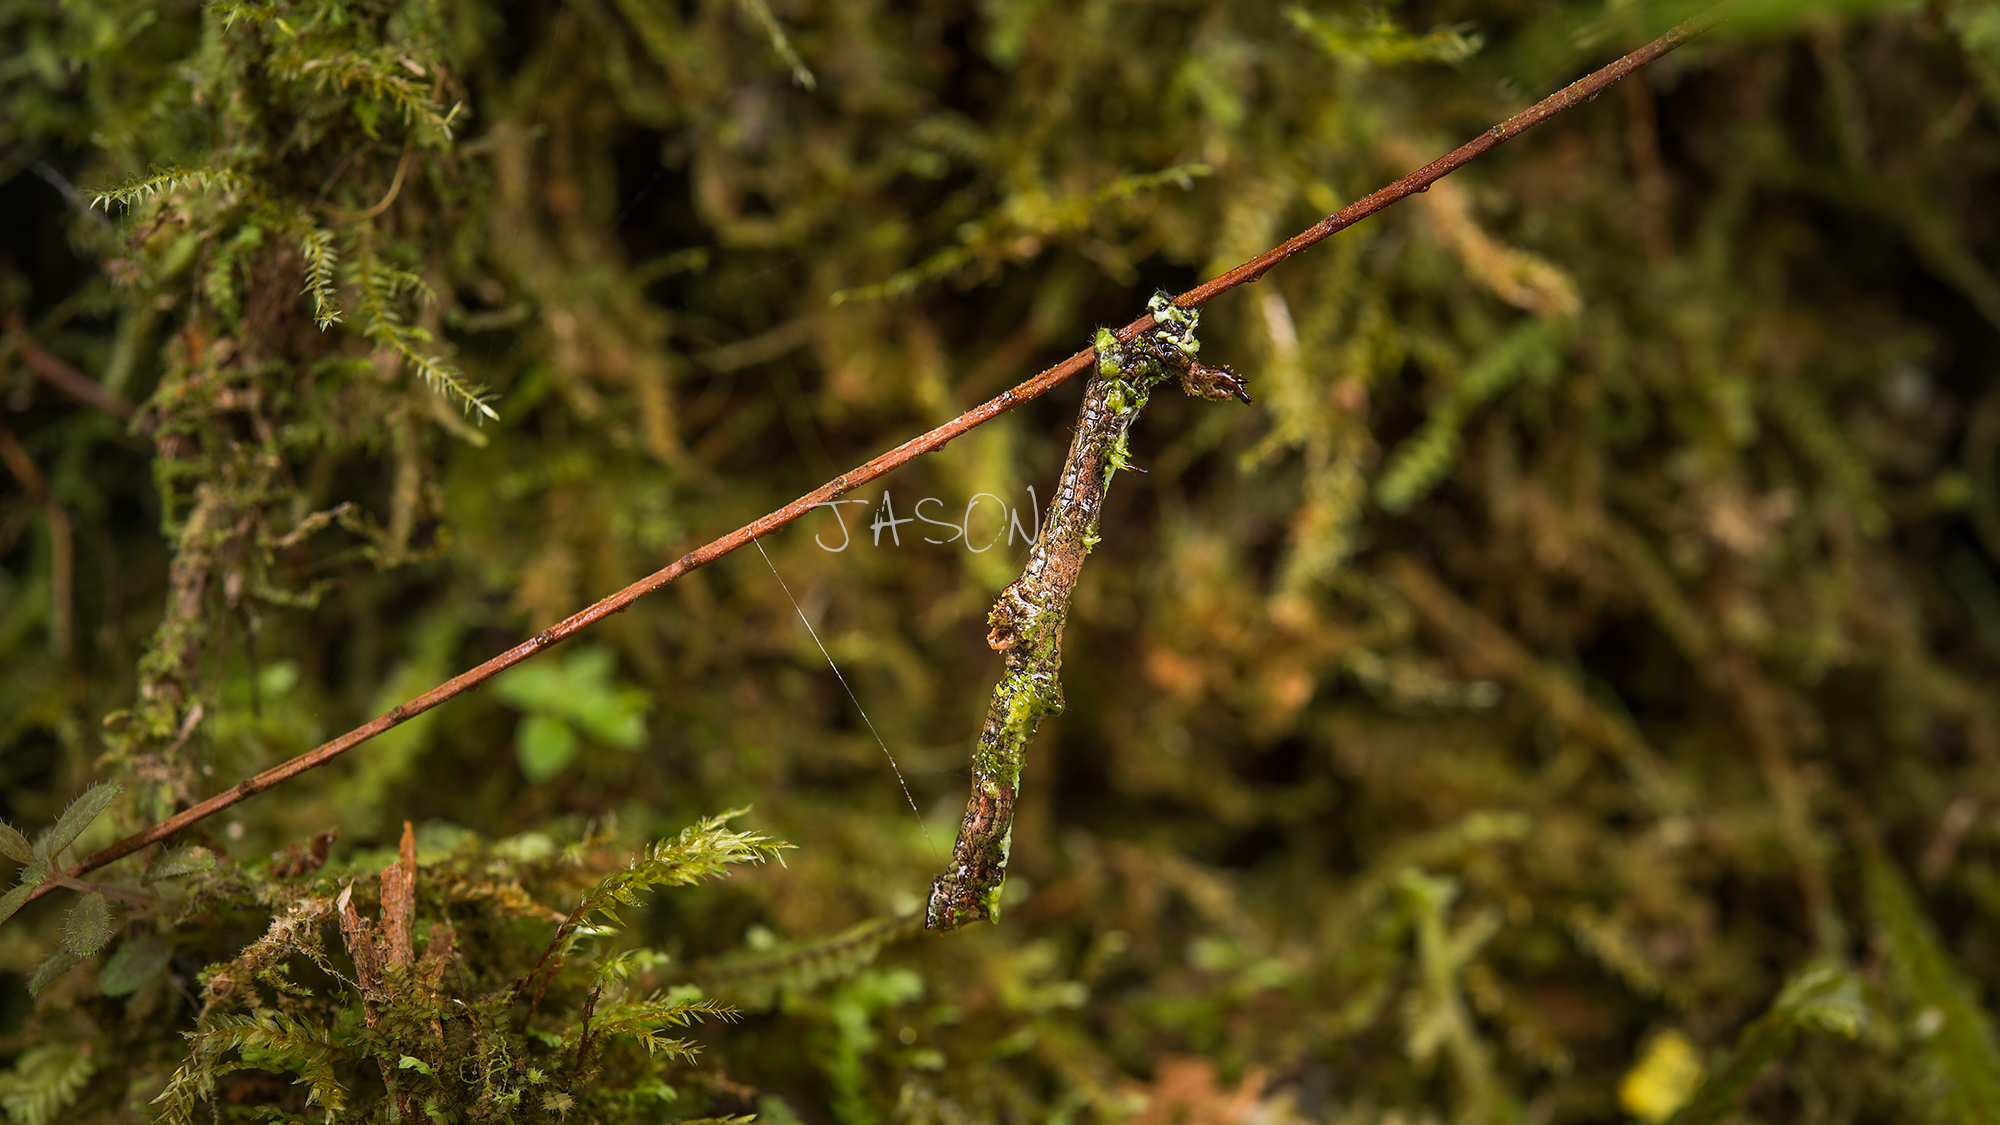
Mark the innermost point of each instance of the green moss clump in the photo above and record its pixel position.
(1567, 694)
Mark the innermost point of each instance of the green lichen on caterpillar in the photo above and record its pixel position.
(1026, 621)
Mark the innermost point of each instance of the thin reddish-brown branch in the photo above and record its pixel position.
(1569, 97)
(1572, 95)
(53, 371)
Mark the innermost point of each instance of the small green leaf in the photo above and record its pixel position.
(1961, 1053)
(1824, 998)
(592, 666)
(135, 962)
(278, 678)
(14, 899)
(76, 818)
(533, 687)
(545, 745)
(1819, 997)
(15, 846)
(582, 690)
(88, 926)
(187, 861)
(618, 720)
(61, 962)
(408, 1062)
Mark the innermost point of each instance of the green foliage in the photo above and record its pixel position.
(701, 851)
(88, 927)
(322, 262)
(168, 182)
(1425, 459)
(134, 965)
(46, 1080)
(564, 698)
(852, 1008)
(1489, 721)
(1821, 997)
(381, 289)
(1019, 227)
(265, 1040)
(411, 1031)
(191, 860)
(766, 969)
(77, 817)
(13, 900)
(1372, 37)
(1956, 1065)
(780, 43)
(15, 846)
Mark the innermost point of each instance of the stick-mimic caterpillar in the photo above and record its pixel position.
(1026, 622)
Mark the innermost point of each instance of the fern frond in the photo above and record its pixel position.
(381, 289)
(702, 851)
(45, 1081)
(1423, 460)
(167, 181)
(814, 963)
(274, 1041)
(193, 1083)
(381, 74)
(316, 246)
(646, 1020)
(1375, 38)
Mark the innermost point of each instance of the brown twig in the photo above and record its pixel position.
(395, 188)
(1575, 94)
(62, 545)
(1642, 137)
(52, 370)
(1570, 96)
(583, 1039)
(122, 894)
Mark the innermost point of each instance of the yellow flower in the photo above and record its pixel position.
(1665, 1077)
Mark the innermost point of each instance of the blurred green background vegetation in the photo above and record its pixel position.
(1569, 694)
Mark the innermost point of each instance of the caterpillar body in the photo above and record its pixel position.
(1026, 622)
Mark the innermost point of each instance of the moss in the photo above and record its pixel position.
(1628, 491)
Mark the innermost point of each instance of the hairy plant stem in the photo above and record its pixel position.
(1575, 94)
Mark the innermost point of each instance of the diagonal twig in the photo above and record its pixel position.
(1576, 93)
(52, 370)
